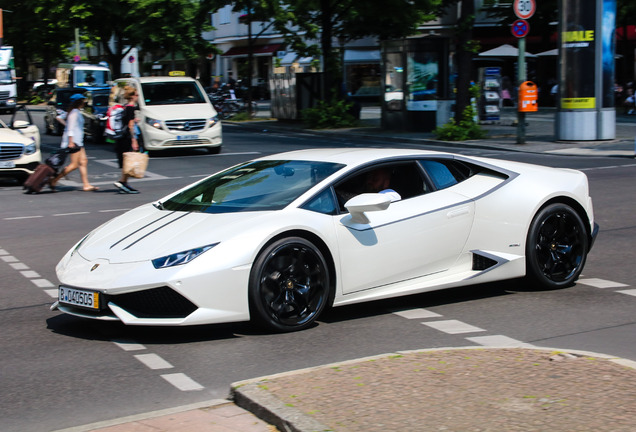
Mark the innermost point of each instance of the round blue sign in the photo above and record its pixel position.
(520, 28)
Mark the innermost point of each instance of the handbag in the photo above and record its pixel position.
(135, 164)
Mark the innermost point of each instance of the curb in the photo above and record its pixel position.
(252, 395)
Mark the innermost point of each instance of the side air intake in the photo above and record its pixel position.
(481, 262)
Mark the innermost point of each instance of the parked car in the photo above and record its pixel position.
(278, 239)
(174, 112)
(94, 112)
(19, 145)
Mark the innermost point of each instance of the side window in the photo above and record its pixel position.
(322, 203)
(403, 177)
(446, 173)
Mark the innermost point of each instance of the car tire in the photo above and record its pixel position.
(289, 285)
(556, 248)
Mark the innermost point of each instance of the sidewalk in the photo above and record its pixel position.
(502, 135)
(493, 389)
(451, 389)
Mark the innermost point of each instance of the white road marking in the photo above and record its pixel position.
(42, 283)
(3, 252)
(631, 292)
(9, 259)
(601, 283)
(153, 361)
(417, 314)
(52, 293)
(22, 217)
(498, 341)
(453, 327)
(71, 214)
(128, 345)
(182, 382)
(19, 266)
(29, 274)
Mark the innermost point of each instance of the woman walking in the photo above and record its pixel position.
(73, 140)
(128, 142)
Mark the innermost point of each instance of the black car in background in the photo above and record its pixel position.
(94, 111)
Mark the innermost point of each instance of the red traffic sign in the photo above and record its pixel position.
(524, 9)
(520, 28)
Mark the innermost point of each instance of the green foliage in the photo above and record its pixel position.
(329, 115)
(36, 100)
(242, 116)
(466, 128)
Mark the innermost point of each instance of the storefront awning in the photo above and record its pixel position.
(362, 56)
(288, 59)
(260, 50)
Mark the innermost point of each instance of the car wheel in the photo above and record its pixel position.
(557, 247)
(289, 285)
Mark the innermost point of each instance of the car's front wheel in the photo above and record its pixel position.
(289, 285)
(557, 246)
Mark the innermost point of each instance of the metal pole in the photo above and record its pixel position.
(521, 77)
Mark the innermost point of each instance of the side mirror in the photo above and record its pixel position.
(366, 202)
(20, 124)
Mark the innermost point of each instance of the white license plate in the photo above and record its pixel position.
(75, 297)
(187, 137)
(7, 164)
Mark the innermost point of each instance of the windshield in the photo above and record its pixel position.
(91, 78)
(5, 77)
(253, 186)
(165, 93)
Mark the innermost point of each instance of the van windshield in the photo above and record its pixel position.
(5, 77)
(167, 93)
(91, 78)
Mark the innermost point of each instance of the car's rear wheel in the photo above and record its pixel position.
(289, 285)
(557, 246)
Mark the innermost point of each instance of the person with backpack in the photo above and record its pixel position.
(73, 141)
(121, 130)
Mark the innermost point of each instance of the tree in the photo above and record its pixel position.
(39, 31)
(305, 22)
(119, 25)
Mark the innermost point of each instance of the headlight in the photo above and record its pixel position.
(30, 148)
(154, 123)
(180, 257)
(214, 120)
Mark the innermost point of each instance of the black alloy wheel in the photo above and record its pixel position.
(289, 285)
(557, 246)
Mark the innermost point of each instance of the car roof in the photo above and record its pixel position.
(352, 156)
(158, 79)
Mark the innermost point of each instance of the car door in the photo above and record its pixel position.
(419, 235)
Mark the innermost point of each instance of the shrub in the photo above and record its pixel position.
(334, 114)
(466, 128)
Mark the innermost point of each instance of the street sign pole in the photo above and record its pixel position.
(521, 77)
(524, 9)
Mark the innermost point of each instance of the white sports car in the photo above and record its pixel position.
(278, 239)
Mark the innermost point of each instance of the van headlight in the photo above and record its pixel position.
(154, 123)
(212, 121)
(30, 148)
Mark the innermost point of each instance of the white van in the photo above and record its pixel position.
(174, 112)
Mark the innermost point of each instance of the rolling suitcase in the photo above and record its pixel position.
(40, 177)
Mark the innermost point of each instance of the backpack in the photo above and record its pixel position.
(114, 124)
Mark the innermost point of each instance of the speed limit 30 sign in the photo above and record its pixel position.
(524, 9)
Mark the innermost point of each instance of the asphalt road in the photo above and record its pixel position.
(59, 371)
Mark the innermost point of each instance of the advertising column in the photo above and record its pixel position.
(586, 71)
